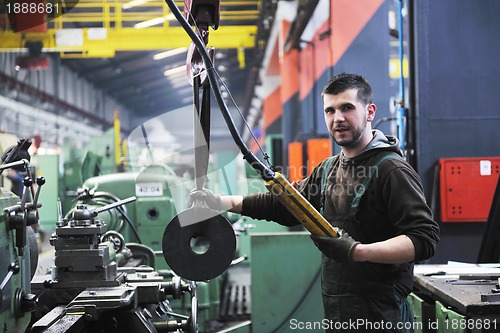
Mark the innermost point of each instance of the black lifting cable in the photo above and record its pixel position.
(202, 31)
(265, 172)
(201, 131)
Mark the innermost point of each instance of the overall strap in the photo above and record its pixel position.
(324, 181)
(362, 187)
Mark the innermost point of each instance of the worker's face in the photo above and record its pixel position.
(347, 119)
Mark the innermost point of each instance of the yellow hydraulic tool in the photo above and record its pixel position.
(302, 209)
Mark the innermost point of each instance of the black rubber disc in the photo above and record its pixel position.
(209, 225)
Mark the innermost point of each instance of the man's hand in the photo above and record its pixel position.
(338, 248)
(211, 200)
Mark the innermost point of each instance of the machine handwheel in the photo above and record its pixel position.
(194, 315)
(114, 238)
(194, 307)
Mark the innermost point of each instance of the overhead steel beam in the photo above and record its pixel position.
(127, 39)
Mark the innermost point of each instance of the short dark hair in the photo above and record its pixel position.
(342, 82)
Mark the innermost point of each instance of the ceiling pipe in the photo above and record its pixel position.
(305, 11)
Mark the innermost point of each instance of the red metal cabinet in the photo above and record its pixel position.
(467, 186)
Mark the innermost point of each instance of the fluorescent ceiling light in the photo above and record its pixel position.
(170, 53)
(175, 70)
(134, 3)
(149, 23)
(154, 21)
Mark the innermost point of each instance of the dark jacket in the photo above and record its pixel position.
(392, 205)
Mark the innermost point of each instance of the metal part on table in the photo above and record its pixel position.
(490, 297)
(463, 295)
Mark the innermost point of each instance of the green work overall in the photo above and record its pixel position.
(360, 297)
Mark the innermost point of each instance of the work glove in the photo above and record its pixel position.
(204, 197)
(339, 248)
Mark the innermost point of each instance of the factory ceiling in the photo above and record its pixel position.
(136, 52)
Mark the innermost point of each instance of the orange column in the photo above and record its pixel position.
(289, 71)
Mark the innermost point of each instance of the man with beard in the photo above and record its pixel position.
(375, 199)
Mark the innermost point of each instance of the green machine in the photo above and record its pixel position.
(18, 246)
(79, 164)
(47, 166)
(17, 256)
(100, 283)
(279, 290)
(159, 194)
(97, 281)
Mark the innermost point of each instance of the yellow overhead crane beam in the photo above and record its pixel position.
(99, 28)
(127, 39)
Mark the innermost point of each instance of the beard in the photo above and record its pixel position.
(356, 135)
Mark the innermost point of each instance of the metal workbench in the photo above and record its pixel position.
(466, 288)
(456, 298)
